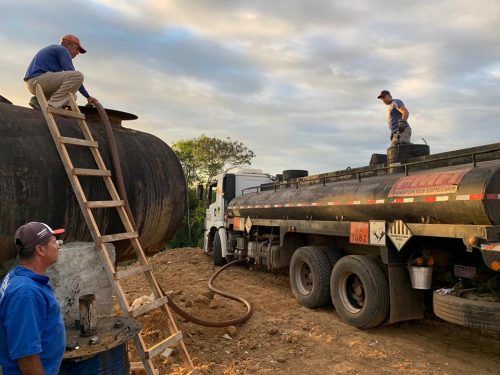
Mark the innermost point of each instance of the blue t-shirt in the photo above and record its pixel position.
(30, 322)
(393, 115)
(54, 58)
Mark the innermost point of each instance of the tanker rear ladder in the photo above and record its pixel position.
(160, 302)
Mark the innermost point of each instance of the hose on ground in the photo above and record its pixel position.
(120, 186)
(207, 323)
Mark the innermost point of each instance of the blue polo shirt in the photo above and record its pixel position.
(30, 322)
(54, 58)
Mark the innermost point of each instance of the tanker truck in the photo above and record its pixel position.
(383, 243)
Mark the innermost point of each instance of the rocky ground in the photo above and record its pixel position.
(284, 338)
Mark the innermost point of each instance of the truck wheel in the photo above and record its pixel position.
(481, 315)
(332, 254)
(359, 291)
(309, 276)
(217, 254)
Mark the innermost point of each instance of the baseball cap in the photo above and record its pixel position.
(383, 93)
(74, 39)
(35, 233)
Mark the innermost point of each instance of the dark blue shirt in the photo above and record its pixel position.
(30, 322)
(54, 58)
(393, 115)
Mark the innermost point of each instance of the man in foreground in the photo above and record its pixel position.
(52, 68)
(397, 118)
(32, 336)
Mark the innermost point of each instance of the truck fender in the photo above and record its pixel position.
(223, 240)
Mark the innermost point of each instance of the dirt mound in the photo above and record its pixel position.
(284, 338)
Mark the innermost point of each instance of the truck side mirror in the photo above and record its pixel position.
(199, 192)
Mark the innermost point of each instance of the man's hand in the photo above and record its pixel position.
(92, 100)
(402, 125)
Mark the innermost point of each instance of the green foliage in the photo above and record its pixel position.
(202, 159)
(205, 157)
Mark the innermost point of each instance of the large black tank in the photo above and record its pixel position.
(35, 187)
(434, 191)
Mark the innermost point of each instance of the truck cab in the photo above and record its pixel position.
(223, 189)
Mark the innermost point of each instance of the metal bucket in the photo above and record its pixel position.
(421, 277)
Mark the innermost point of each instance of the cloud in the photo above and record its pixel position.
(296, 81)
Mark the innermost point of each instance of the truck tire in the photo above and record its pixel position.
(309, 276)
(332, 254)
(360, 291)
(481, 315)
(217, 254)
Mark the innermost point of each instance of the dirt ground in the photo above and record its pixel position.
(283, 337)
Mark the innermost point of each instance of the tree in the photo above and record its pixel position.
(202, 159)
(205, 157)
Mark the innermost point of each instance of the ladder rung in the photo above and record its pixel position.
(91, 172)
(104, 204)
(133, 271)
(150, 306)
(118, 237)
(66, 113)
(79, 142)
(162, 345)
(139, 367)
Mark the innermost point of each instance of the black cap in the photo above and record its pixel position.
(34, 233)
(383, 93)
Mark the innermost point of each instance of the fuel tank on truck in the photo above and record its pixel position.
(34, 185)
(457, 194)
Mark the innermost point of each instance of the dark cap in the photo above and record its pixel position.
(34, 233)
(383, 93)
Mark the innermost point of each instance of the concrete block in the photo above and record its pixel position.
(80, 271)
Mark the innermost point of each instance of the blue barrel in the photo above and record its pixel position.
(110, 362)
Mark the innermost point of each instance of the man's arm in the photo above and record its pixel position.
(31, 365)
(67, 65)
(404, 112)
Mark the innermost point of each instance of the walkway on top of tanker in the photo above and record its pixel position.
(472, 155)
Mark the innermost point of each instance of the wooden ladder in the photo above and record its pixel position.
(160, 302)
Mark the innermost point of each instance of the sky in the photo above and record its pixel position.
(295, 81)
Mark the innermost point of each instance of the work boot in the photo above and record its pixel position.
(34, 103)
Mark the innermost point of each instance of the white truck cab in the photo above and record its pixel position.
(223, 189)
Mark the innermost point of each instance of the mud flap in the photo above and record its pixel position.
(406, 303)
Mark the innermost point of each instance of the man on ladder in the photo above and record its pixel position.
(52, 68)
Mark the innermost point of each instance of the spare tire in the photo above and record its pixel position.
(294, 173)
(481, 315)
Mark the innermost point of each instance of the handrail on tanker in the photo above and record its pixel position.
(358, 174)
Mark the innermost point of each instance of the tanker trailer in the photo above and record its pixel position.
(378, 240)
(34, 185)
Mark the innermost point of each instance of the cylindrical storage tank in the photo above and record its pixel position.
(110, 362)
(290, 174)
(453, 195)
(34, 185)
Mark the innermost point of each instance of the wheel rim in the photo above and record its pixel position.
(304, 279)
(352, 292)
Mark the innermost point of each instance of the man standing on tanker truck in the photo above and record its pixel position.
(32, 336)
(397, 117)
(52, 68)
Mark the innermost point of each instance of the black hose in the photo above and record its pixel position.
(120, 186)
